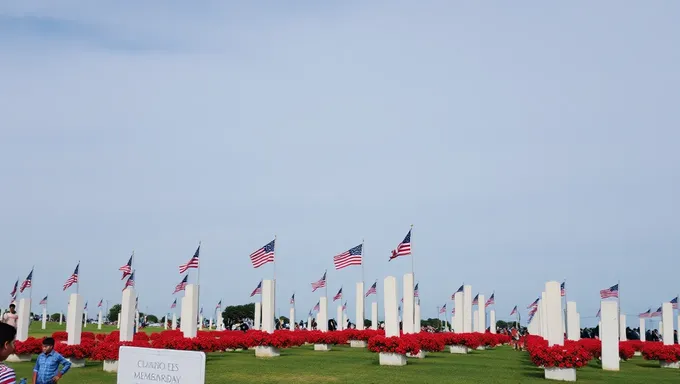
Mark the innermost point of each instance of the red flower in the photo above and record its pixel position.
(30, 346)
(658, 351)
(399, 345)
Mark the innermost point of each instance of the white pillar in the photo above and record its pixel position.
(23, 322)
(573, 333)
(416, 319)
(117, 322)
(553, 306)
(360, 306)
(467, 308)
(475, 320)
(492, 321)
(374, 315)
(44, 317)
(338, 317)
(391, 312)
(84, 319)
(136, 321)
(322, 316)
(578, 324)
(166, 319)
(309, 323)
(200, 322)
(258, 315)
(481, 317)
(544, 316)
(458, 315)
(609, 335)
(99, 319)
(61, 318)
(189, 311)
(268, 310)
(642, 329)
(407, 308)
(661, 328)
(667, 318)
(127, 315)
(74, 321)
(174, 321)
(622, 327)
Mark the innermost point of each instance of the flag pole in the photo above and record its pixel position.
(274, 262)
(78, 281)
(198, 276)
(412, 315)
(566, 320)
(363, 285)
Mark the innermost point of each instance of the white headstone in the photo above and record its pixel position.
(458, 315)
(292, 319)
(609, 335)
(542, 307)
(268, 310)
(481, 314)
(391, 310)
(258, 316)
(136, 320)
(374, 315)
(117, 322)
(661, 328)
(338, 318)
(534, 327)
(44, 317)
(23, 322)
(74, 323)
(467, 309)
(667, 318)
(84, 319)
(642, 329)
(578, 324)
(416, 318)
(174, 321)
(407, 308)
(622, 327)
(553, 307)
(309, 323)
(147, 365)
(322, 316)
(475, 320)
(61, 318)
(126, 320)
(189, 311)
(200, 322)
(360, 306)
(573, 333)
(492, 321)
(166, 320)
(210, 324)
(100, 320)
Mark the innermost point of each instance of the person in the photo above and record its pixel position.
(46, 369)
(11, 317)
(7, 335)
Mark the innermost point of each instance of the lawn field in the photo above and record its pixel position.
(352, 365)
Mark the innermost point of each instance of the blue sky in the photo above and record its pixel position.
(525, 142)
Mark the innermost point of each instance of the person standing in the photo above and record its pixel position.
(7, 335)
(46, 369)
(11, 317)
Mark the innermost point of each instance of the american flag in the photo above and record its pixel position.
(646, 314)
(174, 304)
(373, 290)
(73, 279)
(219, 305)
(14, 290)
(43, 301)
(404, 248)
(475, 301)
(657, 313)
(130, 281)
(201, 312)
(344, 306)
(563, 291)
(453, 297)
(292, 299)
(257, 290)
(415, 291)
(534, 304)
(27, 283)
(612, 291)
(263, 255)
(100, 303)
(338, 295)
(490, 301)
(453, 310)
(127, 268)
(675, 302)
(319, 284)
(85, 308)
(514, 311)
(443, 309)
(316, 307)
(598, 313)
(350, 257)
(182, 284)
(533, 311)
(192, 263)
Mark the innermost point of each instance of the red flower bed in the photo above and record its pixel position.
(278, 339)
(560, 356)
(636, 344)
(318, 337)
(626, 351)
(86, 335)
(79, 351)
(397, 345)
(658, 351)
(30, 346)
(429, 342)
(593, 346)
(60, 336)
(365, 335)
(108, 350)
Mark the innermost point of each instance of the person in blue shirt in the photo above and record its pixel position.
(46, 369)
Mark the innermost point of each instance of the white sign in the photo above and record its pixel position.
(147, 365)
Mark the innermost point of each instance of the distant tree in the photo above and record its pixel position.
(501, 324)
(233, 314)
(113, 312)
(367, 323)
(152, 318)
(435, 323)
(283, 319)
(54, 317)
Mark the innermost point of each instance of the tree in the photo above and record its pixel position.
(54, 317)
(367, 323)
(113, 312)
(236, 313)
(152, 319)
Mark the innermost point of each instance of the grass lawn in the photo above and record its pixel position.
(352, 365)
(35, 330)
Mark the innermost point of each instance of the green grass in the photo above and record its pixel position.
(346, 365)
(35, 330)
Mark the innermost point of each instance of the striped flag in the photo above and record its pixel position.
(338, 295)
(292, 299)
(257, 290)
(656, 313)
(219, 305)
(344, 306)
(443, 309)
(373, 290)
(675, 302)
(453, 310)
(475, 301)
(316, 307)
(514, 311)
(182, 284)
(130, 281)
(43, 301)
(612, 291)
(319, 284)
(14, 290)
(174, 304)
(28, 282)
(490, 301)
(415, 290)
(403, 249)
(598, 313)
(349, 257)
(192, 263)
(127, 268)
(646, 314)
(73, 279)
(100, 303)
(534, 304)
(453, 297)
(563, 291)
(85, 308)
(263, 255)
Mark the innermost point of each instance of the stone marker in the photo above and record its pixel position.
(24, 313)
(391, 312)
(189, 311)
(374, 315)
(174, 321)
(553, 307)
(492, 321)
(267, 306)
(643, 329)
(74, 324)
(127, 314)
(338, 317)
(407, 307)
(475, 320)
(322, 316)
(609, 335)
(573, 332)
(148, 365)
(117, 322)
(458, 315)
(416, 319)
(258, 316)
(292, 319)
(309, 323)
(100, 320)
(44, 317)
(467, 309)
(61, 318)
(622, 327)
(481, 314)
(542, 305)
(667, 318)
(360, 306)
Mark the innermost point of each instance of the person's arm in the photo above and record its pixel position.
(36, 369)
(66, 364)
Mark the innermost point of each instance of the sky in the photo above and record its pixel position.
(525, 142)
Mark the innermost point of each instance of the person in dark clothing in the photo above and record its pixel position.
(675, 336)
(332, 325)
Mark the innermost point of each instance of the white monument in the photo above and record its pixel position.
(268, 306)
(542, 307)
(391, 310)
(200, 322)
(481, 316)
(467, 309)
(292, 319)
(99, 320)
(609, 335)
(61, 318)
(416, 319)
(360, 306)
(309, 323)
(258, 315)
(622, 327)
(174, 321)
(147, 365)
(74, 324)
(458, 315)
(374, 315)
(126, 317)
(189, 311)
(44, 317)
(492, 321)
(322, 316)
(407, 308)
(643, 329)
(338, 318)
(84, 319)
(553, 307)
(667, 318)
(24, 313)
(475, 320)
(573, 331)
